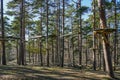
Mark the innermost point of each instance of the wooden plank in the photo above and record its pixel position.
(104, 31)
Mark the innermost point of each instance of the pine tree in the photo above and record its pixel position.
(106, 47)
(3, 36)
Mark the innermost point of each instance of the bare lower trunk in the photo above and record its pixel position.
(53, 58)
(41, 55)
(107, 58)
(73, 54)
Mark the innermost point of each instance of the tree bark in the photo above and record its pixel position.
(115, 36)
(41, 55)
(53, 58)
(94, 48)
(99, 52)
(22, 34)
(80, 35)
(62, 56)
(73, 54)
(29, 53)
(72, 46)
(86, 52)
(47, 34)
(106, 47)
(17, 51)
(3, 36)
(69, 56)
(57, 57)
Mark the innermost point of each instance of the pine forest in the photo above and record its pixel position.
(59, 39)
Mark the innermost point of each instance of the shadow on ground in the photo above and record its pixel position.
(44, 73)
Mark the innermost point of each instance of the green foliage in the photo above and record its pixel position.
(12, 4)
(82, 10)
(108, 4)
(32, 49)
(11, 13)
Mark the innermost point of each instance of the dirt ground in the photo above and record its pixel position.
(54, 73)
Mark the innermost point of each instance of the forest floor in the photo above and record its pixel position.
(52, 73)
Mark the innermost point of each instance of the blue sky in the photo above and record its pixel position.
(5, 2)
(86, 3)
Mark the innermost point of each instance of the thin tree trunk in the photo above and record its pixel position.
(17, 51)
(73, 54)
(29, 53)
(47, 33)
(72, 47)
(22, 35)
(115, 36)
(99, 52)
(23, 32)
(104, 68)
(69, 60)
(32, 52)
(53, 53)
(62, 56)
(94, 48)
(38, 53)
(3, 35)
(80, 35)
(57, 57)
(86, 52)
(41, 55)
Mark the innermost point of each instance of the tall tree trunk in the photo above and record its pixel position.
(115, 35)
(22, 34)
(47, 33)
(80, 35)
(106, 47)
(94, 49)
(62, 56)
(41, 55)
(3, 36)
(57, 57)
